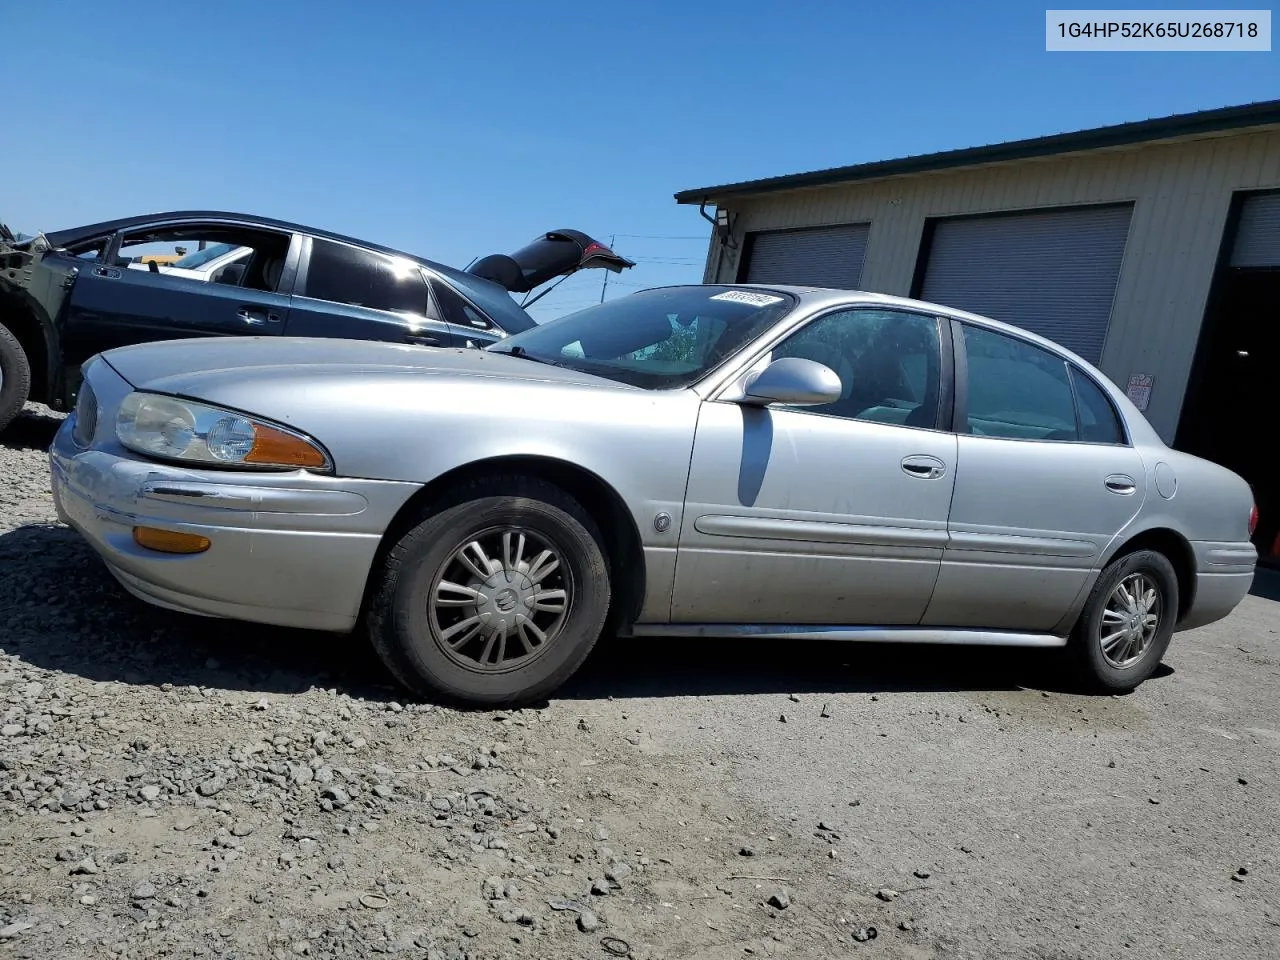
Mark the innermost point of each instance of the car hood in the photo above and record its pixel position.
(210, 368)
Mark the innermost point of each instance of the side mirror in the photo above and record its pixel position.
(795, 381)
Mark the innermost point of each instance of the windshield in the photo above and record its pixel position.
(659, 339)
(200, 257)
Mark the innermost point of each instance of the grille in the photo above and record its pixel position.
(86, 416)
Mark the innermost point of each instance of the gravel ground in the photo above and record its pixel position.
(175, 786)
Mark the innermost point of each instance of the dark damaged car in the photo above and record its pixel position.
(69, 294)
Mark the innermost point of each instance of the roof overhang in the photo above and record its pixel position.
(1179, 126)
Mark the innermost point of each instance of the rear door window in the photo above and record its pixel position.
(1099, 422)
(340, 273)
(1017, 391)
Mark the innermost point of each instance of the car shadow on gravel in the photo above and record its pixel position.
(699, 667)
(61, 610)
(31, 430)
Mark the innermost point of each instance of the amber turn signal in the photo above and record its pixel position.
(170, 541)
(277, 447)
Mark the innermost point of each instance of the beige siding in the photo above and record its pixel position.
(1181, 193)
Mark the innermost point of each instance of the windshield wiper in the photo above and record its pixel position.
(523, 354)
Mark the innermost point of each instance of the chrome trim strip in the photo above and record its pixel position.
(932, 635)
(258, 499)
(816, 531)
(1035, 546)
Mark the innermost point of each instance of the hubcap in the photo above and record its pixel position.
(1130, 620)
(500, 600)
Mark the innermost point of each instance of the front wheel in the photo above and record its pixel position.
(15, 377)
(495, 600)
(1127, 622)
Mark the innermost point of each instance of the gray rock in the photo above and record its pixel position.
(336, 795)
(212, 787)
(150, 792)
(144, 891)
(780, 900)
(887, 895)
(241, 829)
(75, 796)
(11, 730)
(493, 888)
(588, 922)
(617, 872)
(14, 929)
(600, 887)
(85, 867)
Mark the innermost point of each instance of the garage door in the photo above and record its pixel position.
(1258, 233)
(1053, 272)
(814, 257)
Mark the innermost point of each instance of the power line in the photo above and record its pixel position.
(658, 236)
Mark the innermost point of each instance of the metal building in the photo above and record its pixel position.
(1150, 248)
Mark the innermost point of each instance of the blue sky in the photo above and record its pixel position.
(454, 130)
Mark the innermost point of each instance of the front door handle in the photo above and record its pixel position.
(256, 317)
(422, 340)
(1120, 484)
(107, 273)
(923, 467)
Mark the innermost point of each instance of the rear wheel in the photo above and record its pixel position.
(15, 377)
(1127, 622)
(496, 599)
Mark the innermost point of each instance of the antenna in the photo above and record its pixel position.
(605, 286)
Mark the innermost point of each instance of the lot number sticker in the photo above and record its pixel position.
(746, 296)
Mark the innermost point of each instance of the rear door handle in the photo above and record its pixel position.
(422, 340)
(924, 467)
(107, 273)
(1121, 484)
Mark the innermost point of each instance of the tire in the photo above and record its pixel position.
(15, 378)
(418, 639)
(1131, 659)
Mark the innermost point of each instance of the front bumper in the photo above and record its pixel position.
(291, 549)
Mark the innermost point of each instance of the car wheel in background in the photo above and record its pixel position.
(494, 599)
(1127, 622)
(15, 377)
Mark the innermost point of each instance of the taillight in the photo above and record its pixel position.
(1253, 519)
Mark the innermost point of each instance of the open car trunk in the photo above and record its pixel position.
(554, 254)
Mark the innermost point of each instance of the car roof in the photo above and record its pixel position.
(515, 319)
(58, 238)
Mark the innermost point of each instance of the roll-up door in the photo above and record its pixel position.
(812, 257)
(1053, 272)
(1257, 242)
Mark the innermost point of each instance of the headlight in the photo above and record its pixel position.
(175, 429)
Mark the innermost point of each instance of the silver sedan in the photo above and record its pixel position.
(698, 461)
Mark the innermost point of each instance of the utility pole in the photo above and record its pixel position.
(605, 286)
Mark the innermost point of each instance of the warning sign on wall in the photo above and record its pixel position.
(1139, 390)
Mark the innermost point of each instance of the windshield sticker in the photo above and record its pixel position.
(746, 296)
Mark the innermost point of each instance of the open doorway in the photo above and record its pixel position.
(1230, 413)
